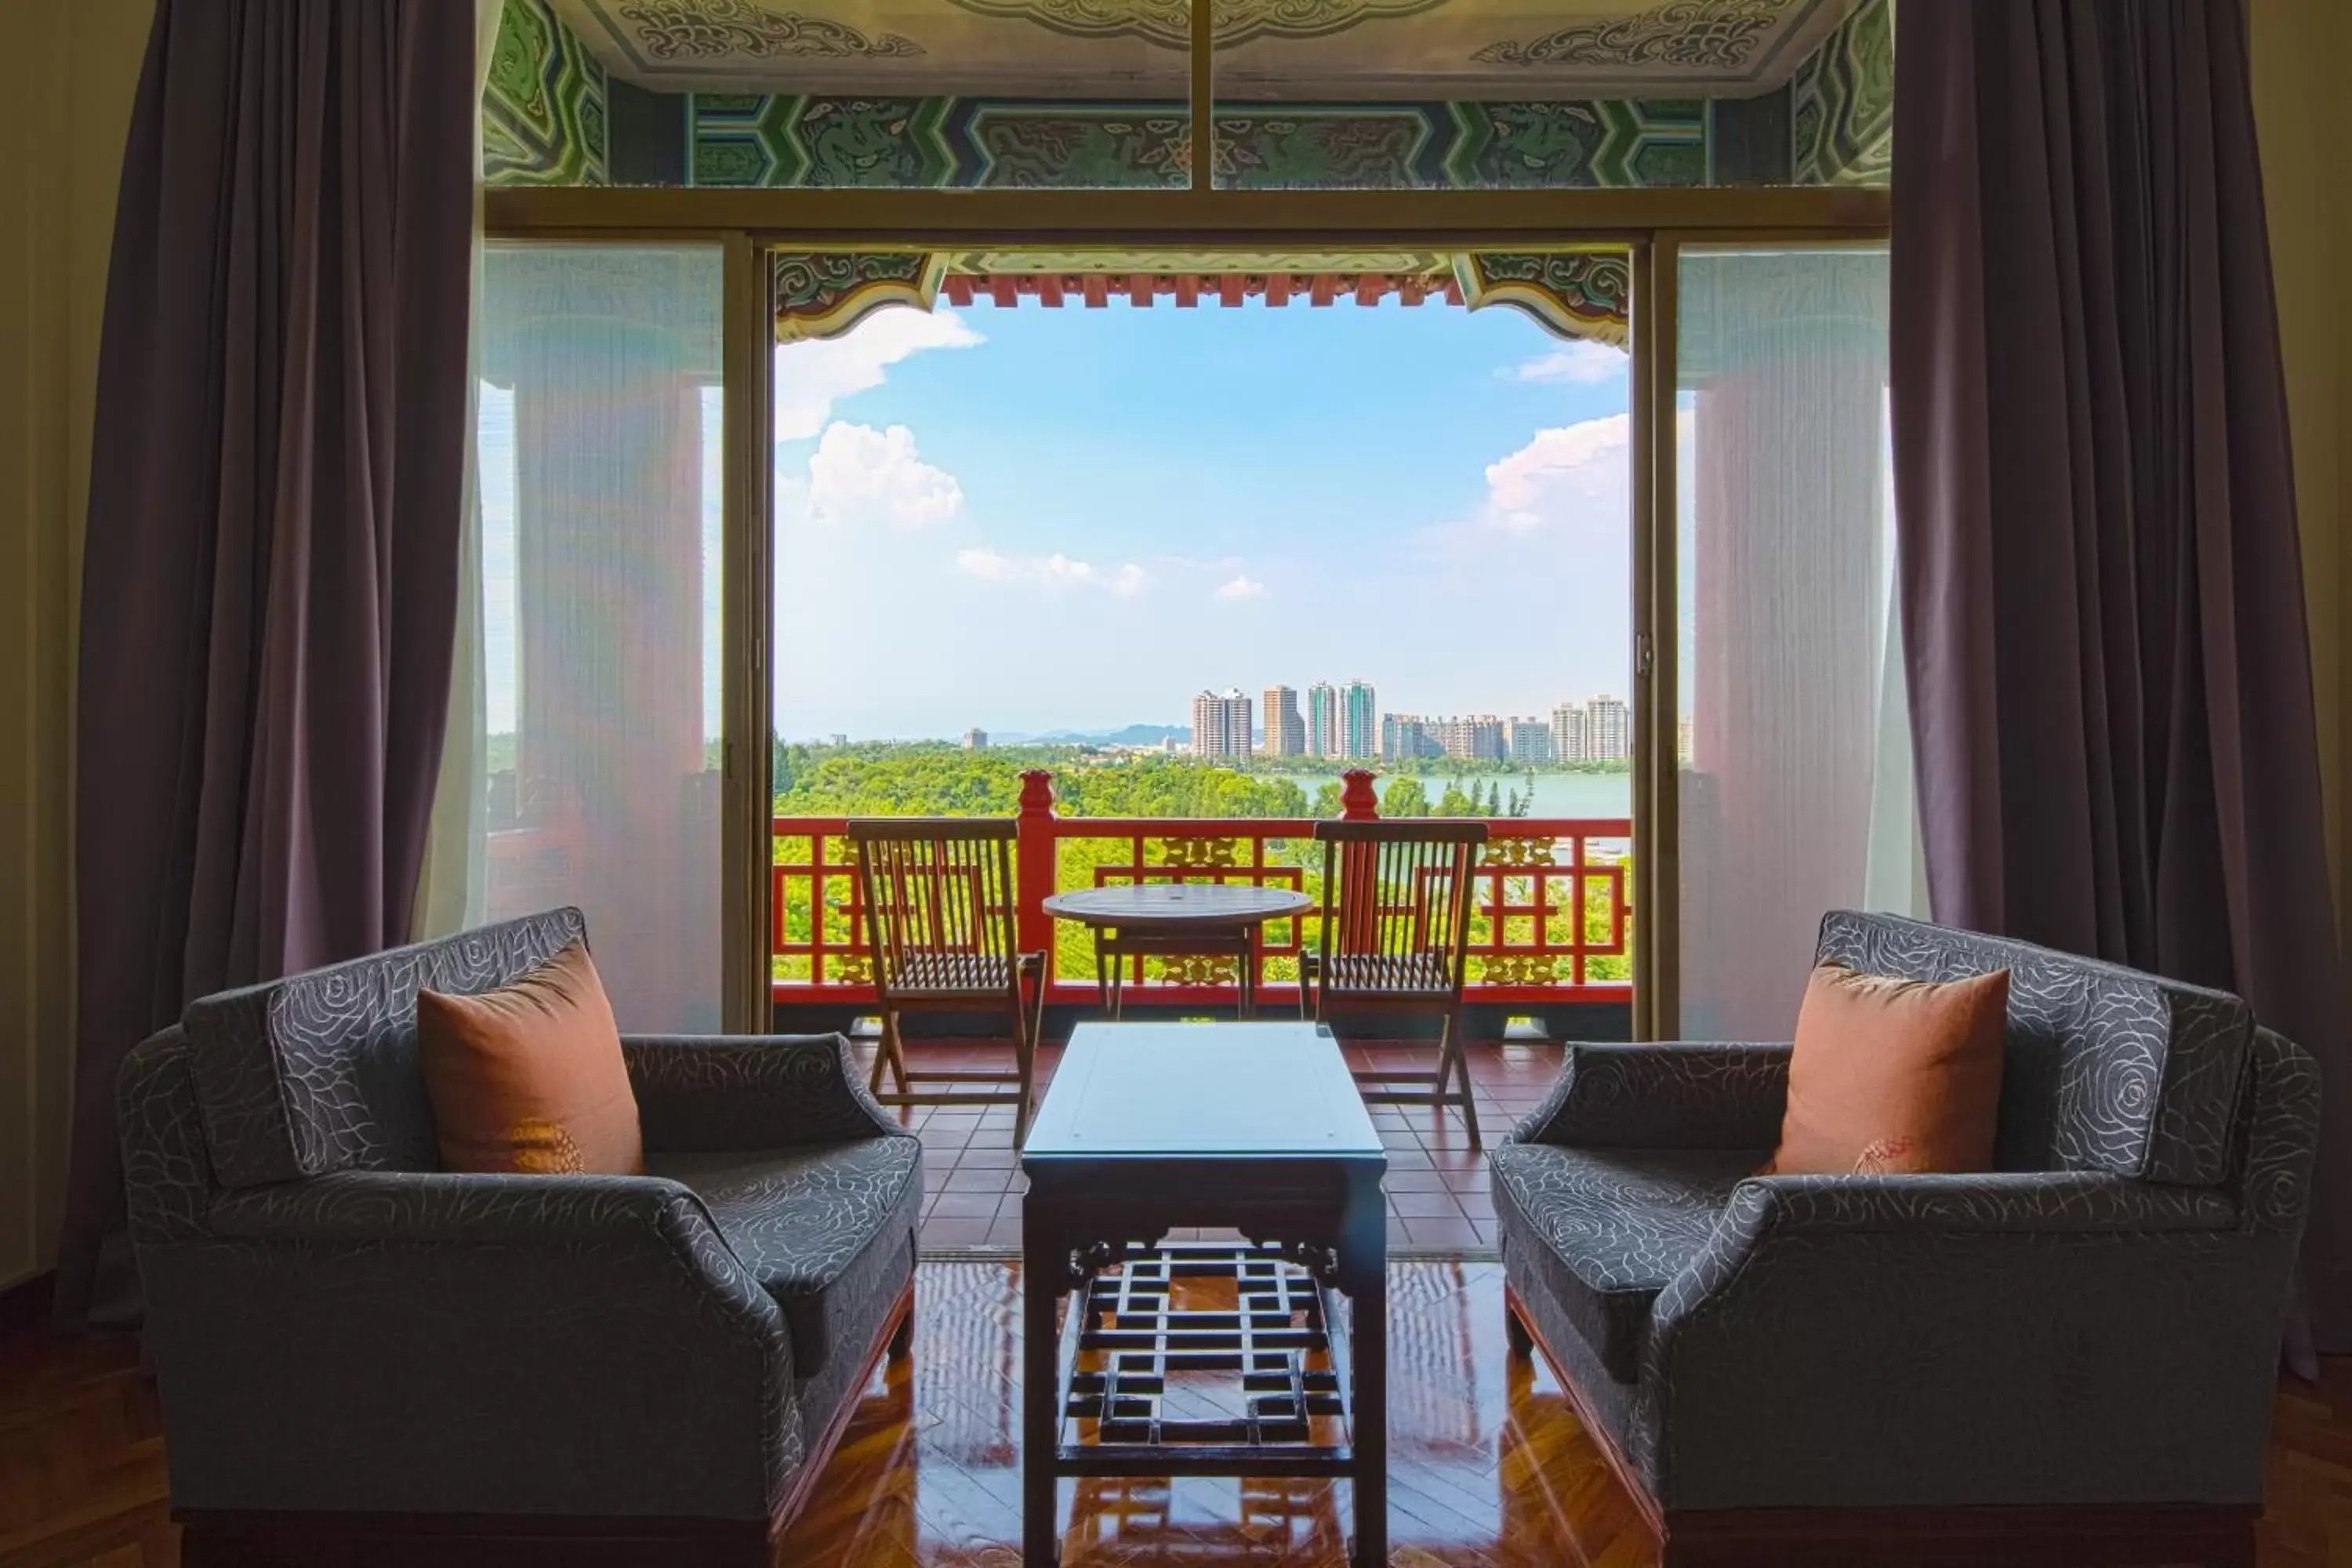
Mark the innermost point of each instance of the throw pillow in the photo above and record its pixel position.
(529, 1077)
(1893, 1075)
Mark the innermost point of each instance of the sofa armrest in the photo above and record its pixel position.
(647, 1221)
(717, 1093)
(442, 1343)
(1668, 1095)
(1943, 1339)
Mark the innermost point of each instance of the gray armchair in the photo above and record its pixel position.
(351, 1343)
(2077, 1351)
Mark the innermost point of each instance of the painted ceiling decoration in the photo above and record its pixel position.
(1169, 23)
(1701, 35)
(1577, 293)
(721, 29)
(1284, 51)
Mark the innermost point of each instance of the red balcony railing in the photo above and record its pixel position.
(1551, 918)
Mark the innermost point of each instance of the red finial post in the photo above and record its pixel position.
(1034, 856)
(1357, 801)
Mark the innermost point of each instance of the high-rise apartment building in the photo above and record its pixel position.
(1470, 736)
(1220, 724)
(1360, 730)
(1610, 724)
(1285, 731)
(1599, 730)
(1404, 736)
(1323, 720)
(1528, 740)
(1571, 740)
(975, 740)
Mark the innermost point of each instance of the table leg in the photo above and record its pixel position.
(1363, 1262)
(1249, 974)
(1041, 1397)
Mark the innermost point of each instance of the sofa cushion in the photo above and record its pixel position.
(1621, 1222)
(811, 1224)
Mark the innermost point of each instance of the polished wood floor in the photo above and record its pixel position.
(1490, 1465)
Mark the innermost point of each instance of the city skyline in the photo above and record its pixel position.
(1230, 723)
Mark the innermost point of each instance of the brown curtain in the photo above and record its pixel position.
(269, 593)
(2103, 591)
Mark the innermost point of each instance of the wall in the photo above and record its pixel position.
(2303, 60)
(66, 84)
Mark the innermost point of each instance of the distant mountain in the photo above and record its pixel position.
(1133, 735)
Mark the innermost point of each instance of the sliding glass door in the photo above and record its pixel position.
(1792, 747)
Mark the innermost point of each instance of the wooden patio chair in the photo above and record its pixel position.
(939, 913)
(1396, 919)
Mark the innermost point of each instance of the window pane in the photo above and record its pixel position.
(1391, 94)
(881, 93)
(1796, 788)
(599, 445)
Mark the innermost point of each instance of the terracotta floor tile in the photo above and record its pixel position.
(966, 1206)
(1425, 1205)
(955, 1232)
(1442, 1232)
(978, 1181)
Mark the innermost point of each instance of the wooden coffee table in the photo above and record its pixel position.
(1151, 1127)
(1177, 919)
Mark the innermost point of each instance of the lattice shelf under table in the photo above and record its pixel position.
(1277, 1337)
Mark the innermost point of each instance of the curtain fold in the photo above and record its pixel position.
(269, 592)
(2102, 582)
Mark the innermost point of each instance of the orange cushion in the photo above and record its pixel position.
(1892, 1075)
(529, 1077)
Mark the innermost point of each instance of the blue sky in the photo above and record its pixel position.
(1028, 519)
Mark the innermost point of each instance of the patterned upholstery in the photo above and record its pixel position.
(2106, 1070)
(801, 1219)
(342, 1327)
(317, 1072)
(1622, 1223)
(2100, 1329)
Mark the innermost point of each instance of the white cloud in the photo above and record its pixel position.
(1239, 587)
(811, 377)
(1564, 473)
(1583, 361)
(863, 478)
(1055, 572)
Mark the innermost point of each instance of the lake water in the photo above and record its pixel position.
(1557, 795)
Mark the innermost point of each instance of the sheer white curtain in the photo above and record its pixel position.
(453, 889)
(1796, 783)
(581, 764)
(600, 439)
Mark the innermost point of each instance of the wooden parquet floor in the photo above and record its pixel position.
(1490, 1465)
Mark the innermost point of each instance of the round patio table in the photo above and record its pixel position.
(1176, 920)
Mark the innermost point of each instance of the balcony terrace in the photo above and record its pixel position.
(1549, 957)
